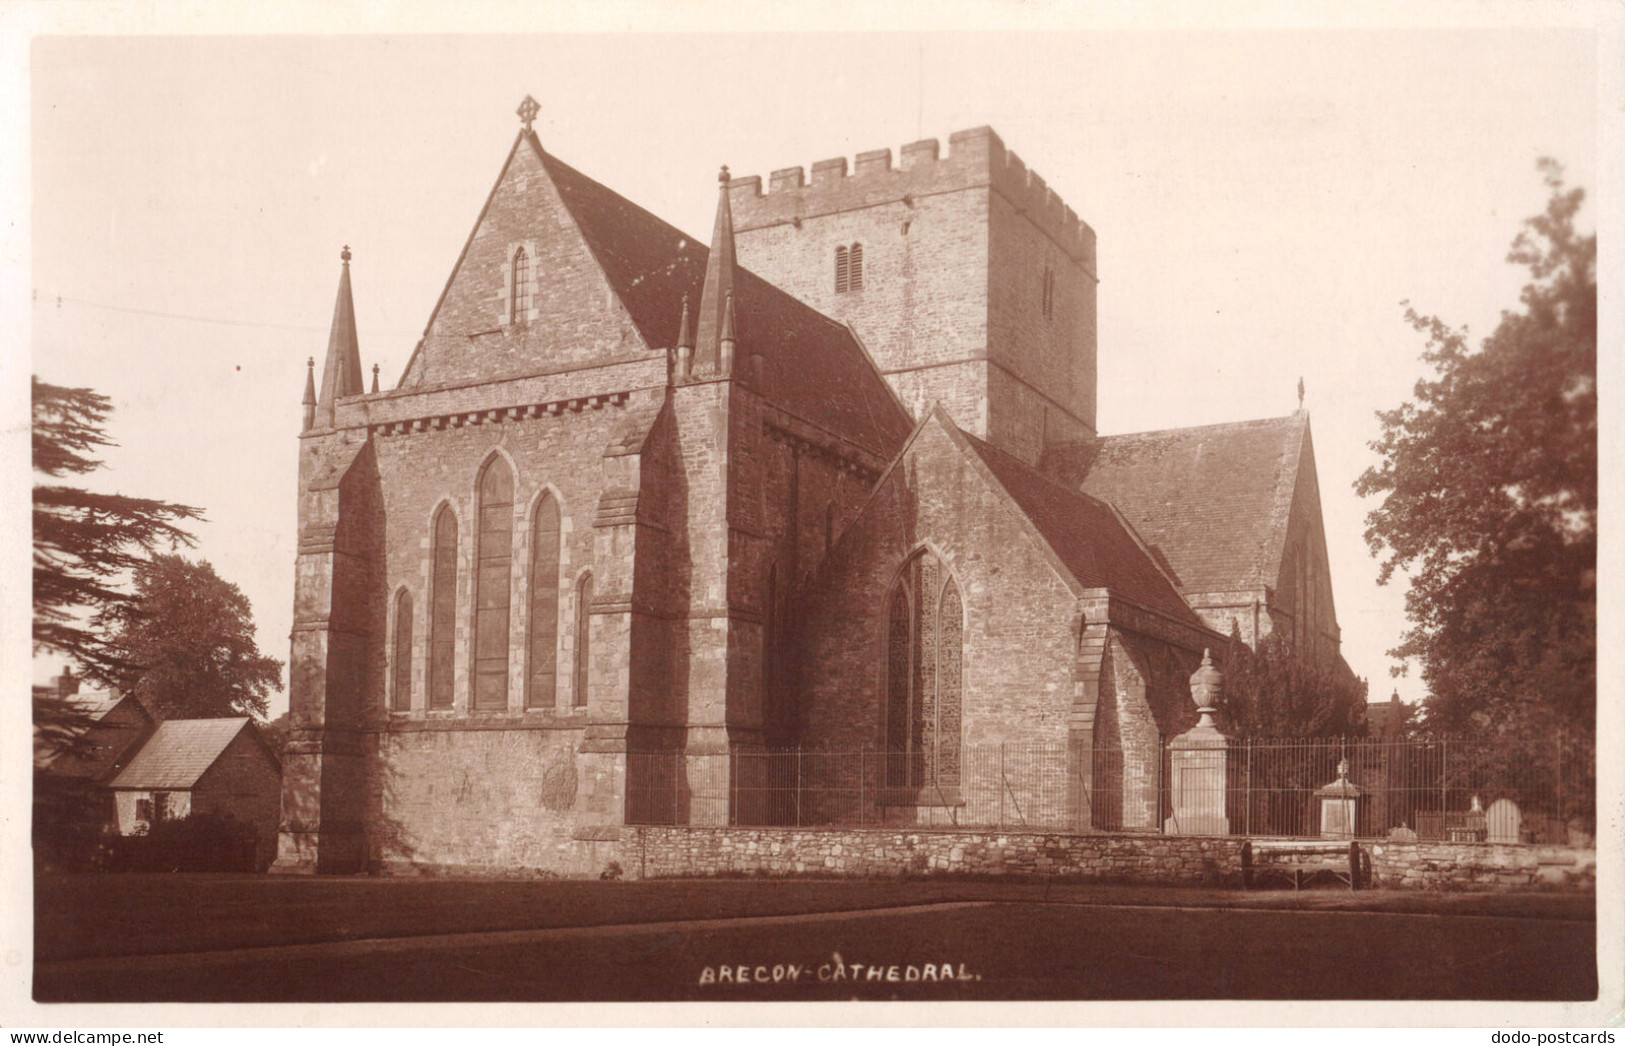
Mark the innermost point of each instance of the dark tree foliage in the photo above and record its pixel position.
(276, 733)
(1273, 692)
(1489, 487)
(187, 640)
(86, 543)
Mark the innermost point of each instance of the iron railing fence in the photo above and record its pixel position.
(1439, 789)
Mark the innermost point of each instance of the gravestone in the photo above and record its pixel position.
(1337, 805)
(1503, 822)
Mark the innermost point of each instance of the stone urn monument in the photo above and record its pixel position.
(1197, 762)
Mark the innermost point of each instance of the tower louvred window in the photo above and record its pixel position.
(521, 285)
(849, 268)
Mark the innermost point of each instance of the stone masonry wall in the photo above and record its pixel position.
(1478, 866)
(484, 800)
(1018, 639)
(670, 852)
(656, 852)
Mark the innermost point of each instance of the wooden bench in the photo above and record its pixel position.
(1300, 860)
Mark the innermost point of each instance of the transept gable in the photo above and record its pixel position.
(1088, 545)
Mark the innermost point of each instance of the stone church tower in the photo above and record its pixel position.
(969, 281)
(642, 508)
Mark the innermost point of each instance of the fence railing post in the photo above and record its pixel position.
(798, 786)
(1444, 789)
(1247, 818)
(1001, 784)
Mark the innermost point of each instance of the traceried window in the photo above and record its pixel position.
(400, 694)
(494, 564)
(583, 640)
(924, 688)
(542, 689)
(849, 268)
(443, 609)
(519, 294)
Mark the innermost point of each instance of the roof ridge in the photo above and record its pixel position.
(1038, 472)
(1245, 423)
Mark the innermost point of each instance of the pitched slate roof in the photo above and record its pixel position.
(1211, 501)
(178, 753)
(650, 264)
(812, 365)
(1089, 537)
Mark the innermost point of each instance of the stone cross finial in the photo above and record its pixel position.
(527, 111)
(1300, 392)
(722, 175)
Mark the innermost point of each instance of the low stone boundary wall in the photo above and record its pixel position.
(668, 852)
(1480, 866)
(654, 852)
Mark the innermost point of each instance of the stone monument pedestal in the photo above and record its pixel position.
(1338, 803)
(1197, 761)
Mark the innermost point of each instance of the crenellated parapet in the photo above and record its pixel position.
(975, 158)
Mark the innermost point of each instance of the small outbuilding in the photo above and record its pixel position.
(221, 767)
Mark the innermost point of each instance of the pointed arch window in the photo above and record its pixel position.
(519, 293)
(849, 268)
(494, 564)
(400, 694)
(924, 679)
(542, 690)
(583, 640)
(442, 608)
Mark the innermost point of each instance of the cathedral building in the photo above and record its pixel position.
(829, 482)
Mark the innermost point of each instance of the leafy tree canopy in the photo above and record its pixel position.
(1273, 692)
(86, 543)
(188, 642)
(1489, 488)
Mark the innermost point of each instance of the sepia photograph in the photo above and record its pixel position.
(711, 510)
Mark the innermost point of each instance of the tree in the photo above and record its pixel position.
(85, 543)
(1274, 692)
(1489, 485)
(188, 643)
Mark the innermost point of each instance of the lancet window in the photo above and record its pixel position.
(494, 564)
(542, 690)
(443, 609)
(400, 694)
(519, 294)
(924, 678)
(583, 641)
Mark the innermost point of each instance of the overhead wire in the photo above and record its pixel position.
(62, 299)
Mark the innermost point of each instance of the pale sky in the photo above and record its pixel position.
(1263, 202)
